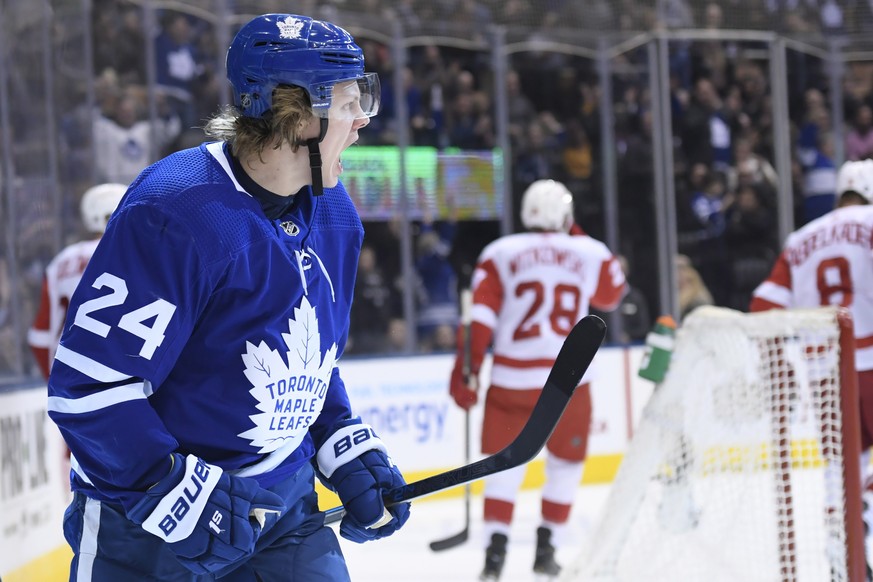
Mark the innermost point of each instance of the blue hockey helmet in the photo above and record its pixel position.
(286, 49)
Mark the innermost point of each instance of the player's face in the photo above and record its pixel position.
(345, 119)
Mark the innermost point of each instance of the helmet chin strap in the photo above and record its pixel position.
(315, 158)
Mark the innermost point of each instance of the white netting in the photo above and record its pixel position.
(732, 473)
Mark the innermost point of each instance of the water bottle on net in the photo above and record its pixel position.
(659, 348)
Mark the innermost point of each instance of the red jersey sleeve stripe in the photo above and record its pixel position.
(611, 286)
(864, 342)
(488, 288)
(517, 363)
(759, 304)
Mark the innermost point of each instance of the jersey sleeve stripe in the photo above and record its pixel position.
(99, 400)
(864, 342)
(40, 338)
(774, 293)
(91, 368)
(518, 363)
(484, 315)
(611, 286)
(74, 465)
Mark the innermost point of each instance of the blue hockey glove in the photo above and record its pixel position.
(209, 519)
(356, 466)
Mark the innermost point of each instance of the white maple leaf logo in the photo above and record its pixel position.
(290, 391)
(290, 27)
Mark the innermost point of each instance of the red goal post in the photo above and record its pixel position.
(744, 464)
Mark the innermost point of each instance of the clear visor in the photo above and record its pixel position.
(352, 99)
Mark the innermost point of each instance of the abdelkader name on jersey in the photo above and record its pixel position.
(290, 391)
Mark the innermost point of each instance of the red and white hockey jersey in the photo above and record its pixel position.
(62, 275)
(828, 262)
(529, 290)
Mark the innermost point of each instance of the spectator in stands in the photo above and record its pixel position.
(751, 240)
(750, 167)
(520, 108)
(408, 13)
(753, 86)
(420, 122)
(589, 109)
(125, 142)
(471, 126)
(397, 336)
(537, 158)
(471, 16)
(832, 18)
(378, 57)
(859, 138)
(374, 304)
(675, 14)
(441, 339)
(816, 120)
(735, 116)
(119, 41)
(178, 65)
(438, 299)
(429, 72)
(856, 87)
(577, 157)
(207, 90)
(820, 180)
(750, 224)
(561, 99)
(459, 81)
(710, 256)
(706, 137)
(711, 57)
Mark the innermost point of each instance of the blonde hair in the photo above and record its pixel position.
(695, 293)
(289, 116)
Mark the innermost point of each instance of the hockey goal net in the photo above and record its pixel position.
(745, 462)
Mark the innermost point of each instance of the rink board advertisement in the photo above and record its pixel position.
(33, 486)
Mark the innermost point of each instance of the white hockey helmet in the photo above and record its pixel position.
(98, 203)
(856, 176)
(547, 205)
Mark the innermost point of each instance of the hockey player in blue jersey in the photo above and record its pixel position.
(196, 381)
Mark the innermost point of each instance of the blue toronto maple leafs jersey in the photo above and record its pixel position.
(201, 326)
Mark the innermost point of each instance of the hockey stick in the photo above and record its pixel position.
(460, 537)
(472, 381)
(575, 356)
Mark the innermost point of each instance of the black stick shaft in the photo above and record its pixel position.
(576, 354)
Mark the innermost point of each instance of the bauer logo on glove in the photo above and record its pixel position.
(187, 499)
(345, 443)
(211, 519)
(354, 463)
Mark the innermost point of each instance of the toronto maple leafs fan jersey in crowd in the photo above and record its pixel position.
(203, 326)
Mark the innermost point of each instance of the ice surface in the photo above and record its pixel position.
(406, 557)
